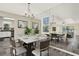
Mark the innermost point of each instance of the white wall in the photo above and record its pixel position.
(18, 31)
(61, 12)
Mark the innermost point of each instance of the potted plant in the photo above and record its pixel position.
(36, 31)
(28, 31)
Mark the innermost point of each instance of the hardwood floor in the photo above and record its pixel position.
(4, 47)
(5, 50)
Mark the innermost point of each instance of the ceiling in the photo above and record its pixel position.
(21, 8)
(63, 10)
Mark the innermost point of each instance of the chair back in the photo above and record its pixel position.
(65, 37)
(44, 44)
(13, 43)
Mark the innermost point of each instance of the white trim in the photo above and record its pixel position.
(65, 51)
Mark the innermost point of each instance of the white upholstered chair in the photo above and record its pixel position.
(16, 49)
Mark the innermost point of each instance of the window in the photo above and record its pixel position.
(46, 24)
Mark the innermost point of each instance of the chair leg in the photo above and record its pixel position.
(48, 52)
(40, 54)
(11, 52)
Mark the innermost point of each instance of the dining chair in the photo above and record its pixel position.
(16, 49)
(64, 37)
(43, 47)
(55, 38)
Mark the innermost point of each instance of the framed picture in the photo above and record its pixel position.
(34, 25)
(53, 28)
(22, 24)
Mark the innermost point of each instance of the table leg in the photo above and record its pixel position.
(29, 50)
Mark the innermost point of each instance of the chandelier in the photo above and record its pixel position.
(28, 12)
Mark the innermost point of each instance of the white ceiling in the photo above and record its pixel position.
(63, 10)
(20, 8)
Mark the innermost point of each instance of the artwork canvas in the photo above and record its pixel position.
(22, 24)
(34, 25)
(53, 28)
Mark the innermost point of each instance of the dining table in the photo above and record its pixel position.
(29, 41)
